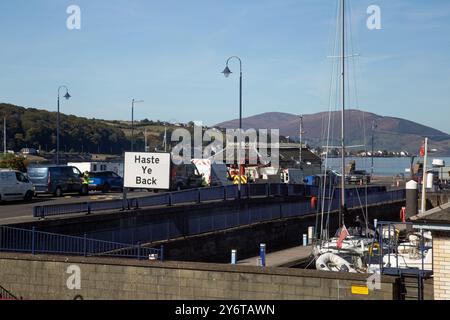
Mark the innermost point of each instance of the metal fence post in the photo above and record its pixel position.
(123, 204)
(199, 195)
(88, 208)
(170, 199)
(139, 251)
(262, 254)
(224, 193)
(85, 245)
(33, 238)
(233, 256)
(161, 253)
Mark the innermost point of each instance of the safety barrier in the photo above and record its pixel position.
(37, 242)
(194, 222)
(105, 205)
(356, 197)
(60, 209)
(6, 295)
(153, 201)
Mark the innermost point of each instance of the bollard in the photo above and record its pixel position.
(403, 214)
(310, 235)
(262, 254)
(412, 196)
(305, 240)
(313, 203)
(233, 256)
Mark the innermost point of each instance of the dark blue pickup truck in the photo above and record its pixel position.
(105, 181)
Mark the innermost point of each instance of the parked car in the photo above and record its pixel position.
(57, 180)
(333, 177)
(29, 151)
(105, 181)
(357, 176)
(182, 176)
(185, 176)
(14, 185)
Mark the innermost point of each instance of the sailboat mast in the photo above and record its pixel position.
(343, 204)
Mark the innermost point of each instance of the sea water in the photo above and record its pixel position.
(383, 166)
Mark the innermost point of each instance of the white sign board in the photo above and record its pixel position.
(147, 170)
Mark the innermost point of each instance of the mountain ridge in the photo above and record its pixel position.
(391, 133)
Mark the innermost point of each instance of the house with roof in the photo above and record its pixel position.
(437, 220)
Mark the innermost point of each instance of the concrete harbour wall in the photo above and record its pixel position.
(46, 277)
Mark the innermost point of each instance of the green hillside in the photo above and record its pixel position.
(33, 128)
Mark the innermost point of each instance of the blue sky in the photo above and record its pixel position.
(170, 53)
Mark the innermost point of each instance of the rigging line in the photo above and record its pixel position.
(361, 204)
(355, 63)
(363, 124)
(342, 207)
(331, 193)
(333, 115)
(332, 45)
(330, 128)
(329, 121)
(329, 205)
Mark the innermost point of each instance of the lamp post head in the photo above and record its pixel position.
(227, 72)
(67, 95)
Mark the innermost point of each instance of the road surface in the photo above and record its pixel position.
(19, 211)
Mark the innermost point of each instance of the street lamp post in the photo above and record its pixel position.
(132, 121)
(227, 72)
(67, 96)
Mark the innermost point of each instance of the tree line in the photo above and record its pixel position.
(33, 128)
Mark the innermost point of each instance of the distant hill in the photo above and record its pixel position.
(34, 128)
(391, 134)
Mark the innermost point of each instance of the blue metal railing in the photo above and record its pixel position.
(201, 195)
(38, 242)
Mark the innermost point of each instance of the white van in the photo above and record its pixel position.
(14, 185)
